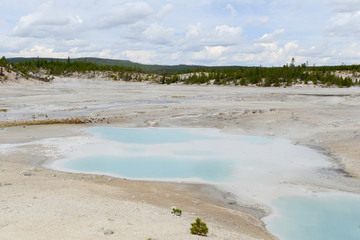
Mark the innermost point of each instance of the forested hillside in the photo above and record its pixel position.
(287, 75)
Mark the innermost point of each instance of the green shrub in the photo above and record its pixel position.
(176, 212)
(199, 228)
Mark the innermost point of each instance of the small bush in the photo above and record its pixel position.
(199, 228)
(176, 212)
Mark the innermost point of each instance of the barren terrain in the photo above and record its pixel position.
(38, 203)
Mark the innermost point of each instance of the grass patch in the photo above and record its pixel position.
(3, 110)
(176, 212)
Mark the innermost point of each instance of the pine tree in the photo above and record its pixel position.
(199, 228)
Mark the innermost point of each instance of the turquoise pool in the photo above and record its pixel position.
(257, 168)
(155, 167)
(207, 155)
(157, 153)
(316, 218)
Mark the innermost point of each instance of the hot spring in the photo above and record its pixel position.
(255, 169)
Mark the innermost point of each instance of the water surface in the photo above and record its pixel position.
(155, 167)
(255, 168)
(316, 217)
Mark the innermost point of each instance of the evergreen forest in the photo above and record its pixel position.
(286, 75)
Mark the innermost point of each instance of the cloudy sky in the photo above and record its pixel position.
(207, 32)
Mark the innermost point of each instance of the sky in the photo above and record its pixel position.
(204, 32)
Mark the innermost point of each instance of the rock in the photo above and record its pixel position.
(232, 202)
(108, 232)
(51, 175)
(25, 174)
(195, 202)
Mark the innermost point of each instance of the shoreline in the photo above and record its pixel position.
(248, 111)
(214, 193)
(203, 198)
(200, 200)
(207, 193)
(235, 202)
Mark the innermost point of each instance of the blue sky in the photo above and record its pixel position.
(207, 32)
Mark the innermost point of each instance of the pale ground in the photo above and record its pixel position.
(37, 203)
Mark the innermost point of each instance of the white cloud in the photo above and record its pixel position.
(250, 2)
(210, 53)
(270, 54)
(106, 53)
(11, 44)
(258, 21)
(346, 5)
(2, 22)
(223, 35)
(194, 31)
(142, 56)
(165, 11)
(226, 31)
(175, 32)
(345, 24)
(42, 51)
(291, 46)
(135, 31)
(231, 9)
(126, 14)
(158, 34)
(351, 53)
(45, 23)
(263, 20)
(155, 33)
(270, 37)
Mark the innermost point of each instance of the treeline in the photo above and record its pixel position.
(60, 67)
(3, 63)
(287, 75)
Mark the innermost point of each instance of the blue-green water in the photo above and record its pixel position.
(148, 135)
(158, 153)
(251, 165)
(167, 135)
(155, 167)
(316, 218)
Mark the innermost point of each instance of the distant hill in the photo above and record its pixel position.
(112, 62)
(125, 63)
(287, 75)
